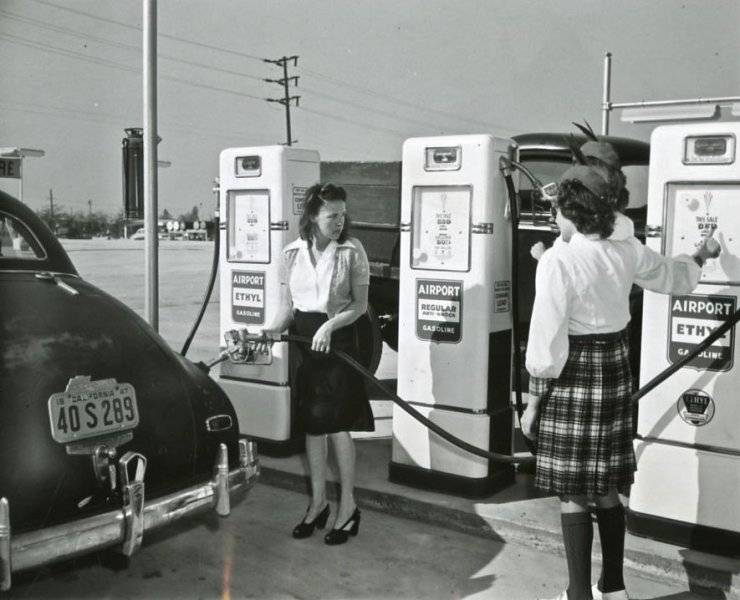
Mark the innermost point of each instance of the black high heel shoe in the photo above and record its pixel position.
(304, 530)
(341, 535)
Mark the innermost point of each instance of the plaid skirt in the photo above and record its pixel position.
(584, 442)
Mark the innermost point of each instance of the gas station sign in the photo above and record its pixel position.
(10, 168)
(695, 317)
(439, 310)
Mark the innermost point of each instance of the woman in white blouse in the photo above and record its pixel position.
(324, 285)
(579, 410)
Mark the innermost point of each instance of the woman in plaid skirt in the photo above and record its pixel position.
(579, 409)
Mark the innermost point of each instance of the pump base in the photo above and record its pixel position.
(467, 487)
(688, 535)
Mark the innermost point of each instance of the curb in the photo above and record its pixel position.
(694, 571)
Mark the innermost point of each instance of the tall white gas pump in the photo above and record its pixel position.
(454, 314)
(687, 487)
(261, 200)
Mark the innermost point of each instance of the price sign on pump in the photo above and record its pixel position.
(249, 226)
(441, 236)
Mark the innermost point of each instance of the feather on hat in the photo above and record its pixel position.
(597, 149)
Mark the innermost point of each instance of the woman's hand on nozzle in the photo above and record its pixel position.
(268, 339)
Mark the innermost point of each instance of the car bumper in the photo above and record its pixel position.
(125, 526)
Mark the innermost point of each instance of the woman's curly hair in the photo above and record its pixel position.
(617, 182)
(588, 212)
(315, 197)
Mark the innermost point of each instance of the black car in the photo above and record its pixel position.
(105, 431)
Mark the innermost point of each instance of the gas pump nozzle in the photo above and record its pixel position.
(547, 192)
(248, 348)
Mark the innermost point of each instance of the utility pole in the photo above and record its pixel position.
(89, 208)
(52, 223)
(287, 98)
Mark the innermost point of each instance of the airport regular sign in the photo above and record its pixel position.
(10, 168)
(439, 306)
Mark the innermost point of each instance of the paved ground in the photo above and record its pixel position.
(251, 555)
(393, 558)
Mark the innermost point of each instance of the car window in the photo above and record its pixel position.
(17, 241)
(546, 172)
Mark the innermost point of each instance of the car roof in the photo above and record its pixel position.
(554, 147)
(56, 259)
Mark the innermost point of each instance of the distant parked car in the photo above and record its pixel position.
(139, 234)
(106, 432)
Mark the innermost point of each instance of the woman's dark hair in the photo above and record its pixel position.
(590, 213)
(617, 182)
(315, 197)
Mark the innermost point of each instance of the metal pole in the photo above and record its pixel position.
(151, 300)
(644, 103)
(287, 99)
(20, 180)
(606, 97)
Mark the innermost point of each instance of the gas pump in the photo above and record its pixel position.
(687, 487)
(454, 314)
(261, 201)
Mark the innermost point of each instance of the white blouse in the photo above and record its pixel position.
(582, 287)
(327, 287)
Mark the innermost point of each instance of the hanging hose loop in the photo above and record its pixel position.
(446, 435)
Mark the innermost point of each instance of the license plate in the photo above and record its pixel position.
(92, 409)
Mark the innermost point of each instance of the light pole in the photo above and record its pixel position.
(14, 153)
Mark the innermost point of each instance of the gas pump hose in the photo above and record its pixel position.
(495, 456)
(209, 289)
(463, 445)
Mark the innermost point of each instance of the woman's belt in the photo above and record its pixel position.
(612, 336)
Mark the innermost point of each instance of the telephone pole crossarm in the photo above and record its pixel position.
(285, 81)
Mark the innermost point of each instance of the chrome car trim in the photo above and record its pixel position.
(43, 546)
(5, 565)
(133, 499)
(221, 479)
(214, 423)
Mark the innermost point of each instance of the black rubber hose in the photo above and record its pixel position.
(514, 215)
(667, 372)
(495, 456)
(209, 290)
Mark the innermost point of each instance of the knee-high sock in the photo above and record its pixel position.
(611, 532)
(578, 533)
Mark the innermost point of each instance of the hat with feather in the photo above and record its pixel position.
(593, 178)
(598, 149)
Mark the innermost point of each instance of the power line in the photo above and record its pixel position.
(336, 81)
(160, 34)
(209, 67)
(109, 63)
(115, 44)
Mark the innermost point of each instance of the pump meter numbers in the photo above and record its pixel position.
(83, 414)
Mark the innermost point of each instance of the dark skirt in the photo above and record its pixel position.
(330, 396)
(584, 443)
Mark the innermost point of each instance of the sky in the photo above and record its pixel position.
(371, 74)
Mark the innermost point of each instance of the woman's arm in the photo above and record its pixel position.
(353, 311)
(678, 275)
(359, 275)
(284, 316)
